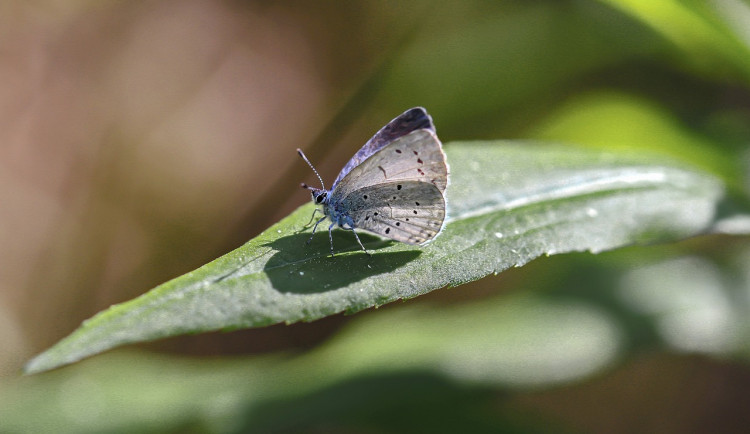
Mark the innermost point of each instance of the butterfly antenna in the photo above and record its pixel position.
(302, 154)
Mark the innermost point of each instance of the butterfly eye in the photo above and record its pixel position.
(320, 198)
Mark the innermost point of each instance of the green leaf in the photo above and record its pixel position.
(508, 204)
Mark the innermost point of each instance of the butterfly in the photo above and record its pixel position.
(394, 186)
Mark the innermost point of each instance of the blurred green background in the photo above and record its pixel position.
(140, 140)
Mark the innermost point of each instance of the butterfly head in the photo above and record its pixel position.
(319, 195)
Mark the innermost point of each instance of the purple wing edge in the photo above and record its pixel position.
(411, 120)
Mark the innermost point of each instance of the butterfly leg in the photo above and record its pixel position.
(315, 228)
(360, 242)
(316, 210)
(330, 236)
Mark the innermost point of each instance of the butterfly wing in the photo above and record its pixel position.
(398, 191)
(410, 120)
(417, 156)
(408, 211)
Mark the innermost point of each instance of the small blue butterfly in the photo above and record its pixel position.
(394, 186)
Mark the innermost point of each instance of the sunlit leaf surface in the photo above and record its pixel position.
(508, 204)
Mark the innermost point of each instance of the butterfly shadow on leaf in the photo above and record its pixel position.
(301, 268)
